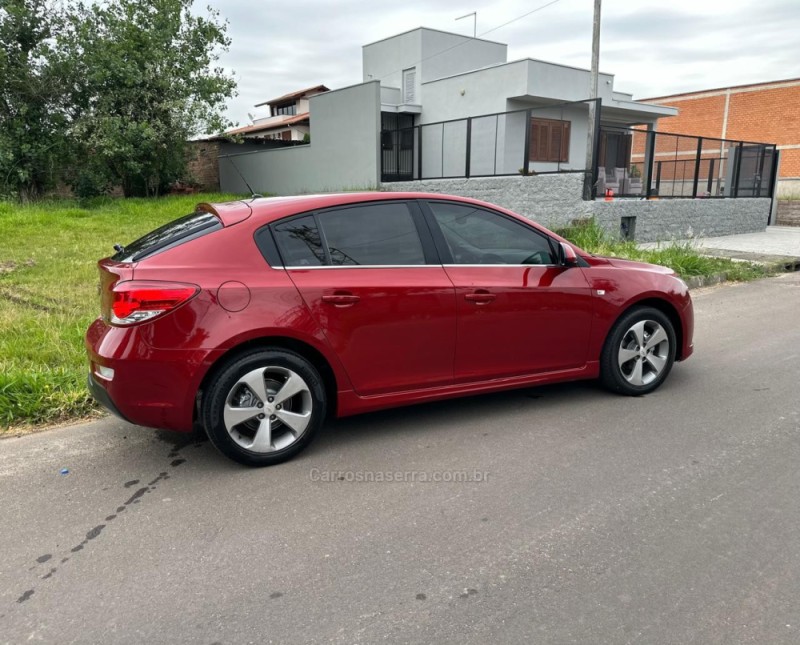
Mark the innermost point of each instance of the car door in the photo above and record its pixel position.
(519, 312)
(371, 278)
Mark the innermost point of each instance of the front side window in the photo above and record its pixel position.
(373, 234)
(477, 236)
(299, 242)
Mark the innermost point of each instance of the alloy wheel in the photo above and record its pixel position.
(643, 353)
(268, 409)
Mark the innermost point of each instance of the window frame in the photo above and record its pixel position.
(409, 72)
(444, 249)
(270, 247)
(551, 156)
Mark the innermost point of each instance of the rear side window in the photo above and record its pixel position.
(299, 242)
(176, 232)
(374, 234)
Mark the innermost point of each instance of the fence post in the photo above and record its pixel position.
(697, 166)
(737, 169)
(762, 155)
(469, 147)
(650, 155)
(419, 152)
(658, 179)
(711, 164)
(526, 156)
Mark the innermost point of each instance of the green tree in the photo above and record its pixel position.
(147, 85)
(34, 104)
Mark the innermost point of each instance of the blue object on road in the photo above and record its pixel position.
(65, 471)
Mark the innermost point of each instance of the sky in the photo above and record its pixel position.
(654, 48)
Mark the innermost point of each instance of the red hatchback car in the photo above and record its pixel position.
(258, 318)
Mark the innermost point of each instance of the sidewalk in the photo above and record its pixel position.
(778, 244)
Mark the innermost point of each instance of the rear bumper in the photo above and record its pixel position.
(102, 396)
(150, 387)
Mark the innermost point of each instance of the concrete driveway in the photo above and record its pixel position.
(774, 243)
(589, 518)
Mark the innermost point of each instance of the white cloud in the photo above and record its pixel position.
(653, 48)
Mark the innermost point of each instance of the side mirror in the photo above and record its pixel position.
(566, 255)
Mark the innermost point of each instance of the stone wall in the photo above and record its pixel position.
(788, 213)
(556, 200)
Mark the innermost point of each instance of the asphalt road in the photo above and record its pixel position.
(673, 518)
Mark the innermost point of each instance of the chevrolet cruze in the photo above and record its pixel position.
(259, 318)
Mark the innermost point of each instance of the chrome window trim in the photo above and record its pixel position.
(405, 266)
(527, 266)
(367, 266)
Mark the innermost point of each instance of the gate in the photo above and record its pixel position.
(397, 146)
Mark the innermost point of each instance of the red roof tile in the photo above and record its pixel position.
(263, 127)
(317, 89)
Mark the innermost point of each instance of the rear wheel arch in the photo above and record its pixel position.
(307, 351)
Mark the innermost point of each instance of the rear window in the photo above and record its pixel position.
(170, 235)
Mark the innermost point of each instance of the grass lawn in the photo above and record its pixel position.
(48, 290)
(48, 295)
(682, 257)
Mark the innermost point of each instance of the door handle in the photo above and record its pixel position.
(480, 297)
(341, 299)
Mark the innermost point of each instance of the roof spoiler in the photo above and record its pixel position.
(229, 213)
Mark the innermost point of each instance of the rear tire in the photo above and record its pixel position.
(264, 407)
(638, 353)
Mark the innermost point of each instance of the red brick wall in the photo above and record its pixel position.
(700, 117)
(761, 114)
(202, 166)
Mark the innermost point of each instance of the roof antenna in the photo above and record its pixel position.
(253, 194)
(474, 15)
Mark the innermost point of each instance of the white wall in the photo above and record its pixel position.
(343, 153)
(445, 54)
(433, 53)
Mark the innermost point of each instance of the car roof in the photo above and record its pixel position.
(267, 209)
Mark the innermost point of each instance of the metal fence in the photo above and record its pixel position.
(538, 140)
(626, 161)
(633, 162)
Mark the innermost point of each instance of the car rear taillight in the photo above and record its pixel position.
(137, 301)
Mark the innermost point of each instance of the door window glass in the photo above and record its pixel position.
(478, 236)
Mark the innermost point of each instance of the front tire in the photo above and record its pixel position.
(639, 352)
(264, 407)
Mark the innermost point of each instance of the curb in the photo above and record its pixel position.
(695, 282)
(785, 265)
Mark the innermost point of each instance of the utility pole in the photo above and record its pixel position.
(588, 187)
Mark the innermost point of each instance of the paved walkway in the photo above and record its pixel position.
(775, 241)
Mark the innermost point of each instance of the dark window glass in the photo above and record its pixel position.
(477, 236)
(180, 230)
(299, 242)
(285, 110)
(374, 234)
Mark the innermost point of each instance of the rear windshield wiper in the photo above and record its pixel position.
(119, 248)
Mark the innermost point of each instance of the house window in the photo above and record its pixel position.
(549, 140)
(288, 109)
(410, 85)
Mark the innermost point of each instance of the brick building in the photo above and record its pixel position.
(765, 112)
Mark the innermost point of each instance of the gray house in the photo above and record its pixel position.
(434, 104)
